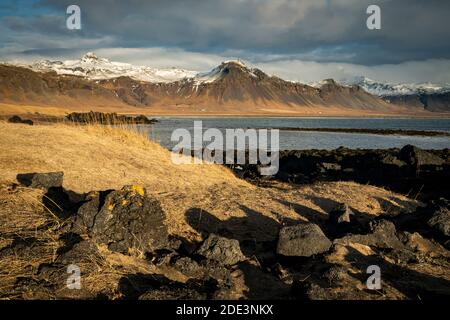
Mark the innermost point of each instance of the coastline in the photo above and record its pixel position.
(8, 109)
(299, 116)
(402, 132)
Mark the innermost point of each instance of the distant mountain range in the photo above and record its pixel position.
(94, 68)
(383, 89)
(232, 87)
(429, 96)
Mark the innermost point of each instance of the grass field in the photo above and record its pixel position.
(99, 158)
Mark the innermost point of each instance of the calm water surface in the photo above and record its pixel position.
(161, 132)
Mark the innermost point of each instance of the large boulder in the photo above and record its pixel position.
(417, 157)
(303, 240)
(224, 250)
(42, 180)
(129, 221)
(440, 221)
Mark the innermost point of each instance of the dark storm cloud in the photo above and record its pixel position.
(46, 25)
(313, 29)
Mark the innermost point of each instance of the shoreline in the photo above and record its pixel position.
(299, 116)
(421, 133)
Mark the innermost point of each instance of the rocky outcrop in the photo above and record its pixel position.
(424, 173)
(107, 118)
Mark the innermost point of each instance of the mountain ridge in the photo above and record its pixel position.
(230, 87)
(428, 96)
(385, 89)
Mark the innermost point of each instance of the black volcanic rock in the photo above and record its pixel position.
(17, 119)
(410, 170)
(382, 235)
(143, 217)
(41, 180)
(223, 250)
(303, 240)
(107, 118)
(441, 221)
(418, 157)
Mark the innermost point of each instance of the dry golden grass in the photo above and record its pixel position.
(167, 108)
(10, 109)
(22, 217)
(100, 157)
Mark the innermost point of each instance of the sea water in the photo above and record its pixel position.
(297, 140)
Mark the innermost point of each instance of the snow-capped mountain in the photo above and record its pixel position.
(94, 68)
(220, 71)
(327, 82)
(230, 86)
(388, 89)
(97, 81)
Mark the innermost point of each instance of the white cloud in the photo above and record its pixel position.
(433, 70)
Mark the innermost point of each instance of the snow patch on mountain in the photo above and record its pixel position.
(219, 72)
(389, 89)
(94, 68)
(325, 82)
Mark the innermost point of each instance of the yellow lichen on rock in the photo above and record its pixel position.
(138, 189)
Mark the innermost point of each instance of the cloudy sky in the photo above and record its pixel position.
(302, 40)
